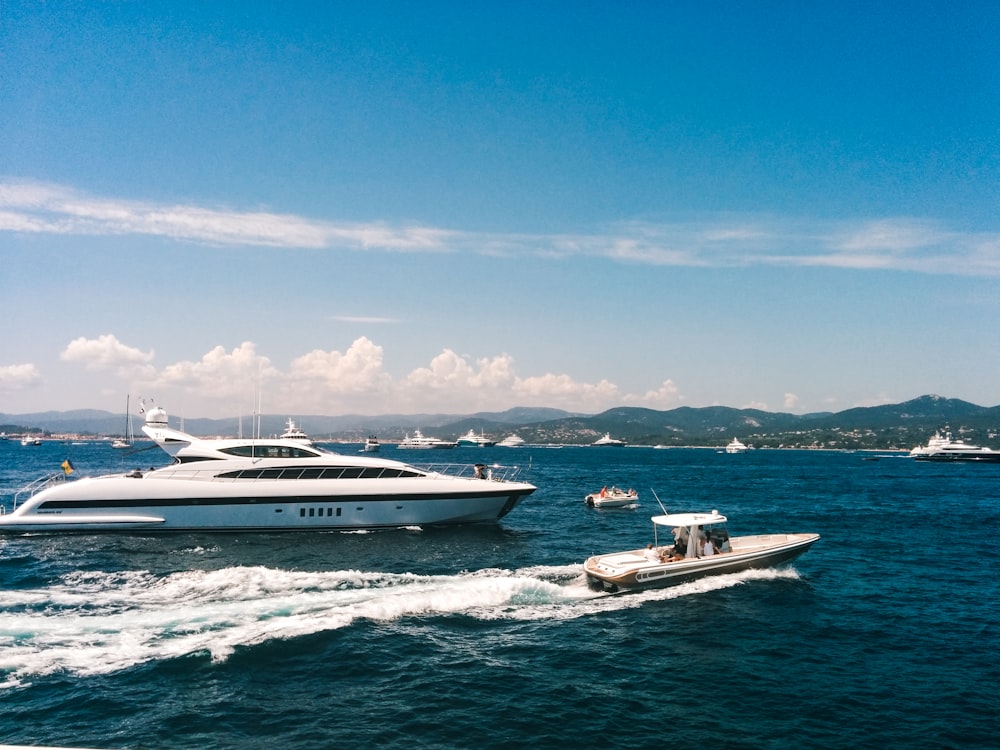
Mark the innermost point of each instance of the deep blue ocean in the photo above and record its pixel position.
(883, 635)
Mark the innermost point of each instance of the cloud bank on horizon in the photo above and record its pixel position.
(333, 382)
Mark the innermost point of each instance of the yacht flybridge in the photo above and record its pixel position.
(264, 485)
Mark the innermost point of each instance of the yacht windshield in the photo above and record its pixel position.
(265, 450)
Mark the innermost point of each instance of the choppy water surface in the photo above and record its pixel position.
(883, 635)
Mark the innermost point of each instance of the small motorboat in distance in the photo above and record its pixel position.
(700, 546)
(371, 445)
(615, 497)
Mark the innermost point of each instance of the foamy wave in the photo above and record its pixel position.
(93, 623)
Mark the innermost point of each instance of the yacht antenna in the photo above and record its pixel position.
(662, 507)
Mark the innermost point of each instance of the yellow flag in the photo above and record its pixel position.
(67, 467)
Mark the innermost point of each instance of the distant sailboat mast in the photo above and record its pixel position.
(129, 439)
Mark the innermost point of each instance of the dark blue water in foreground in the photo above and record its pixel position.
(883, 635)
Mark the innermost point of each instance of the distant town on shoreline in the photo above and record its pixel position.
(888, 427)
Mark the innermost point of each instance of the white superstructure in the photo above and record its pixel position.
(472, 440)
(294, 432)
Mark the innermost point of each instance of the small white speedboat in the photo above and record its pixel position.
(615, 497)
(684, 556)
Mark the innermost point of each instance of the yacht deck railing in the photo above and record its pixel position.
(33, 488)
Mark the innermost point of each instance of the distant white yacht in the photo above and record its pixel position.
(293, 432)
(608, 441)
(512, 441)
(421, 442)
(736, 447)
(472, 440)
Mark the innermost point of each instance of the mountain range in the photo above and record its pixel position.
(889, 426)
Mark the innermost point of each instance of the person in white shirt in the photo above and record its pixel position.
(709, 548)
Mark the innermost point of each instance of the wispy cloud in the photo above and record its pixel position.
(892, 243)
(52, 209)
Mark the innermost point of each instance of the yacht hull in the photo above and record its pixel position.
(991, 457)
(170, 505)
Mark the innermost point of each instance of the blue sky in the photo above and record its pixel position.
(439, 206)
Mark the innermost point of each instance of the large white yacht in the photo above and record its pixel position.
(946, 448)
(263, 485)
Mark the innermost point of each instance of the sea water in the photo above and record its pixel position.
(883, 635)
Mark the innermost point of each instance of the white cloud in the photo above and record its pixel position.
(562, 391)
(896, 243)
(19, 377)
(892, 235)
(791, 402)
(352, 381)
(107, 353)
(335, 382)
(664, 397)
(220, 374)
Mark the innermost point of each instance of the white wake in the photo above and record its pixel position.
(92, 623)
